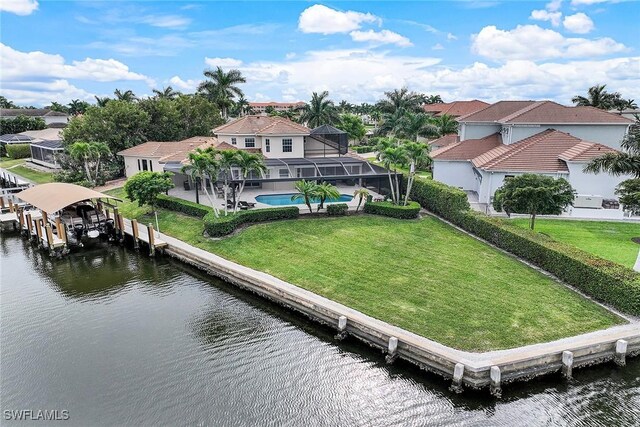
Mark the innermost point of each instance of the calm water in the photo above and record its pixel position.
(285, 199)
(117, 338)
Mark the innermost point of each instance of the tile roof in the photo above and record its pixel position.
(542, 112)
(445, 140)
(30, 112)
(168, 151)
(257, 125)
(277, 104)
(456, 108)
(546, 151)
(468, 149)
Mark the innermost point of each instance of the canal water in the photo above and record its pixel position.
(116, 338)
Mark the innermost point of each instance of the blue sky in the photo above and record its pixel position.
(62, 50)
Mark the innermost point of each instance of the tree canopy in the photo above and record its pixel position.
(144, 187)
(353, 126)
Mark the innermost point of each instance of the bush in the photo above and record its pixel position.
(363, 148)
(337, 209)
(216, 227)
(394, 211)
(18, 151)
(604, 280)
(184, 206)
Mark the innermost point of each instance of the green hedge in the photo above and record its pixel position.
(363, 148)
(216, 227)
(184, 206)
(18, 151)
(394, 211)
(604, 280)
(337, 209)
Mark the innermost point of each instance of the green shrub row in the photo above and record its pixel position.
(362, 148)
(183, 206)
(337, 209)
(394, 211)
(217, 227)
(603, 280)
(18, 151)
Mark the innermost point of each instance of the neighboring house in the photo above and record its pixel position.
(260, 108)
(46, 145)
(515, 137)
(49, 116)
(443, 141)
(630, 114)
(456, 108)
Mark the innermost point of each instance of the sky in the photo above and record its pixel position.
(489, 50)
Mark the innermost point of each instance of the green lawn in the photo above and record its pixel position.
(17, 167)
(607, 239)
(421, 275)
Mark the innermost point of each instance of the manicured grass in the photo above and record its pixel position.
(17, 167)
(6, 162)
(607, 239)
(405, 171)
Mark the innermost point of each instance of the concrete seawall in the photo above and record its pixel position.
(467, 369)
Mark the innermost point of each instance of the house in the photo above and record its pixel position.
(260, 108)
(509, 138)
(49, 116)
(456, 108)
(45, 145)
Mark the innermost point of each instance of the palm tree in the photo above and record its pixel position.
(400, 99)
(344, 106)
(165, 93)
(598, 97)
(203, 165)
(391, 158)
(391, 123)
(433, 99)
(361, 193)
(306, 190)
(413, 125)
(127, 96)
(445, 124)
(77, 107)
(242, 106)
(221, 87)
(247, 163)
(621, 163)
(326, 191)
(319, 111)
(227, 159)
(416, 153)
(56, 106)
(91, 155)
(102, 102)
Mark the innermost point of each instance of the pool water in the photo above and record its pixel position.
(285, 199)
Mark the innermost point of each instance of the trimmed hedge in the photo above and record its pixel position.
(18, 151)
(604, 280)
(394, 211)
(337, 209)
(363, 148)
(217, 227)
(184, 206)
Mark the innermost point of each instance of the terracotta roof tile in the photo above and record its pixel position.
(468, 149)
(495, 112)
(256, 125)
(445, 140)
(456, 108)
(169, 150)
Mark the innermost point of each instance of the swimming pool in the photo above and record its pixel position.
(285, 199)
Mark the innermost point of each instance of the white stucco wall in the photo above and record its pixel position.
(602, 184)
(131, 165)
(476, 131)
(491, 181)
(455, 173)
(609, 135)
(276, 144)
(56, 119)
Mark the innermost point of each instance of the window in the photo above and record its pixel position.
(151, 165)
(233, 141)
(287, 145)
(144, 165)
(249, 142)
(284, 173)
(267, 145)
(139, 167)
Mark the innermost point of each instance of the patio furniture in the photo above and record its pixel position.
(246, 205)
(187, 186)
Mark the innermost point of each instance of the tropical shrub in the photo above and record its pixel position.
(18, 151)
(363, 148)
(145, 187)
(337, 209)
(410, 211)
(216, 227)
(183, 206)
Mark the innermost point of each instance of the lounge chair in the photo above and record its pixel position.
(248, 205)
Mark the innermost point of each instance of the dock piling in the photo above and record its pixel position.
(49, 233)
(621, 352)
(495, 377)
(392, 350)
(134, 229)
(152, 240)
(567, 364)
(342, 328)
(458, 373)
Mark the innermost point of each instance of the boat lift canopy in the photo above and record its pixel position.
(55, 196)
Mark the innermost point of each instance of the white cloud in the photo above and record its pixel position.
(554, 5)
(587, 2)
(545, 15)
(380, 37)
(19, 7)
(451, 37)
(578, 23)
(43, 93)
(189, 85)
(324, 20)
(290, 55)
(166, 21)
(535, 43)
(222, 62)
(437, 46)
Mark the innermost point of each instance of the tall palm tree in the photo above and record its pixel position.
(127, 96)
(56, 106)
(221, 87)
(91, 155)
(392, 158)
(414, 125)
(344, 106)
(433, 99)
(391, 123)
(306, 190)
(242, 106)
(400, 99)
(445, 125)
(319, 111)
(227, 159)
(247, 163)
(416, 153)
(102, 102)
(326, 191)
(621, 163)
(165, 93)
(202, 165)
(77, 107)
(598, 97)
(360, 193)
